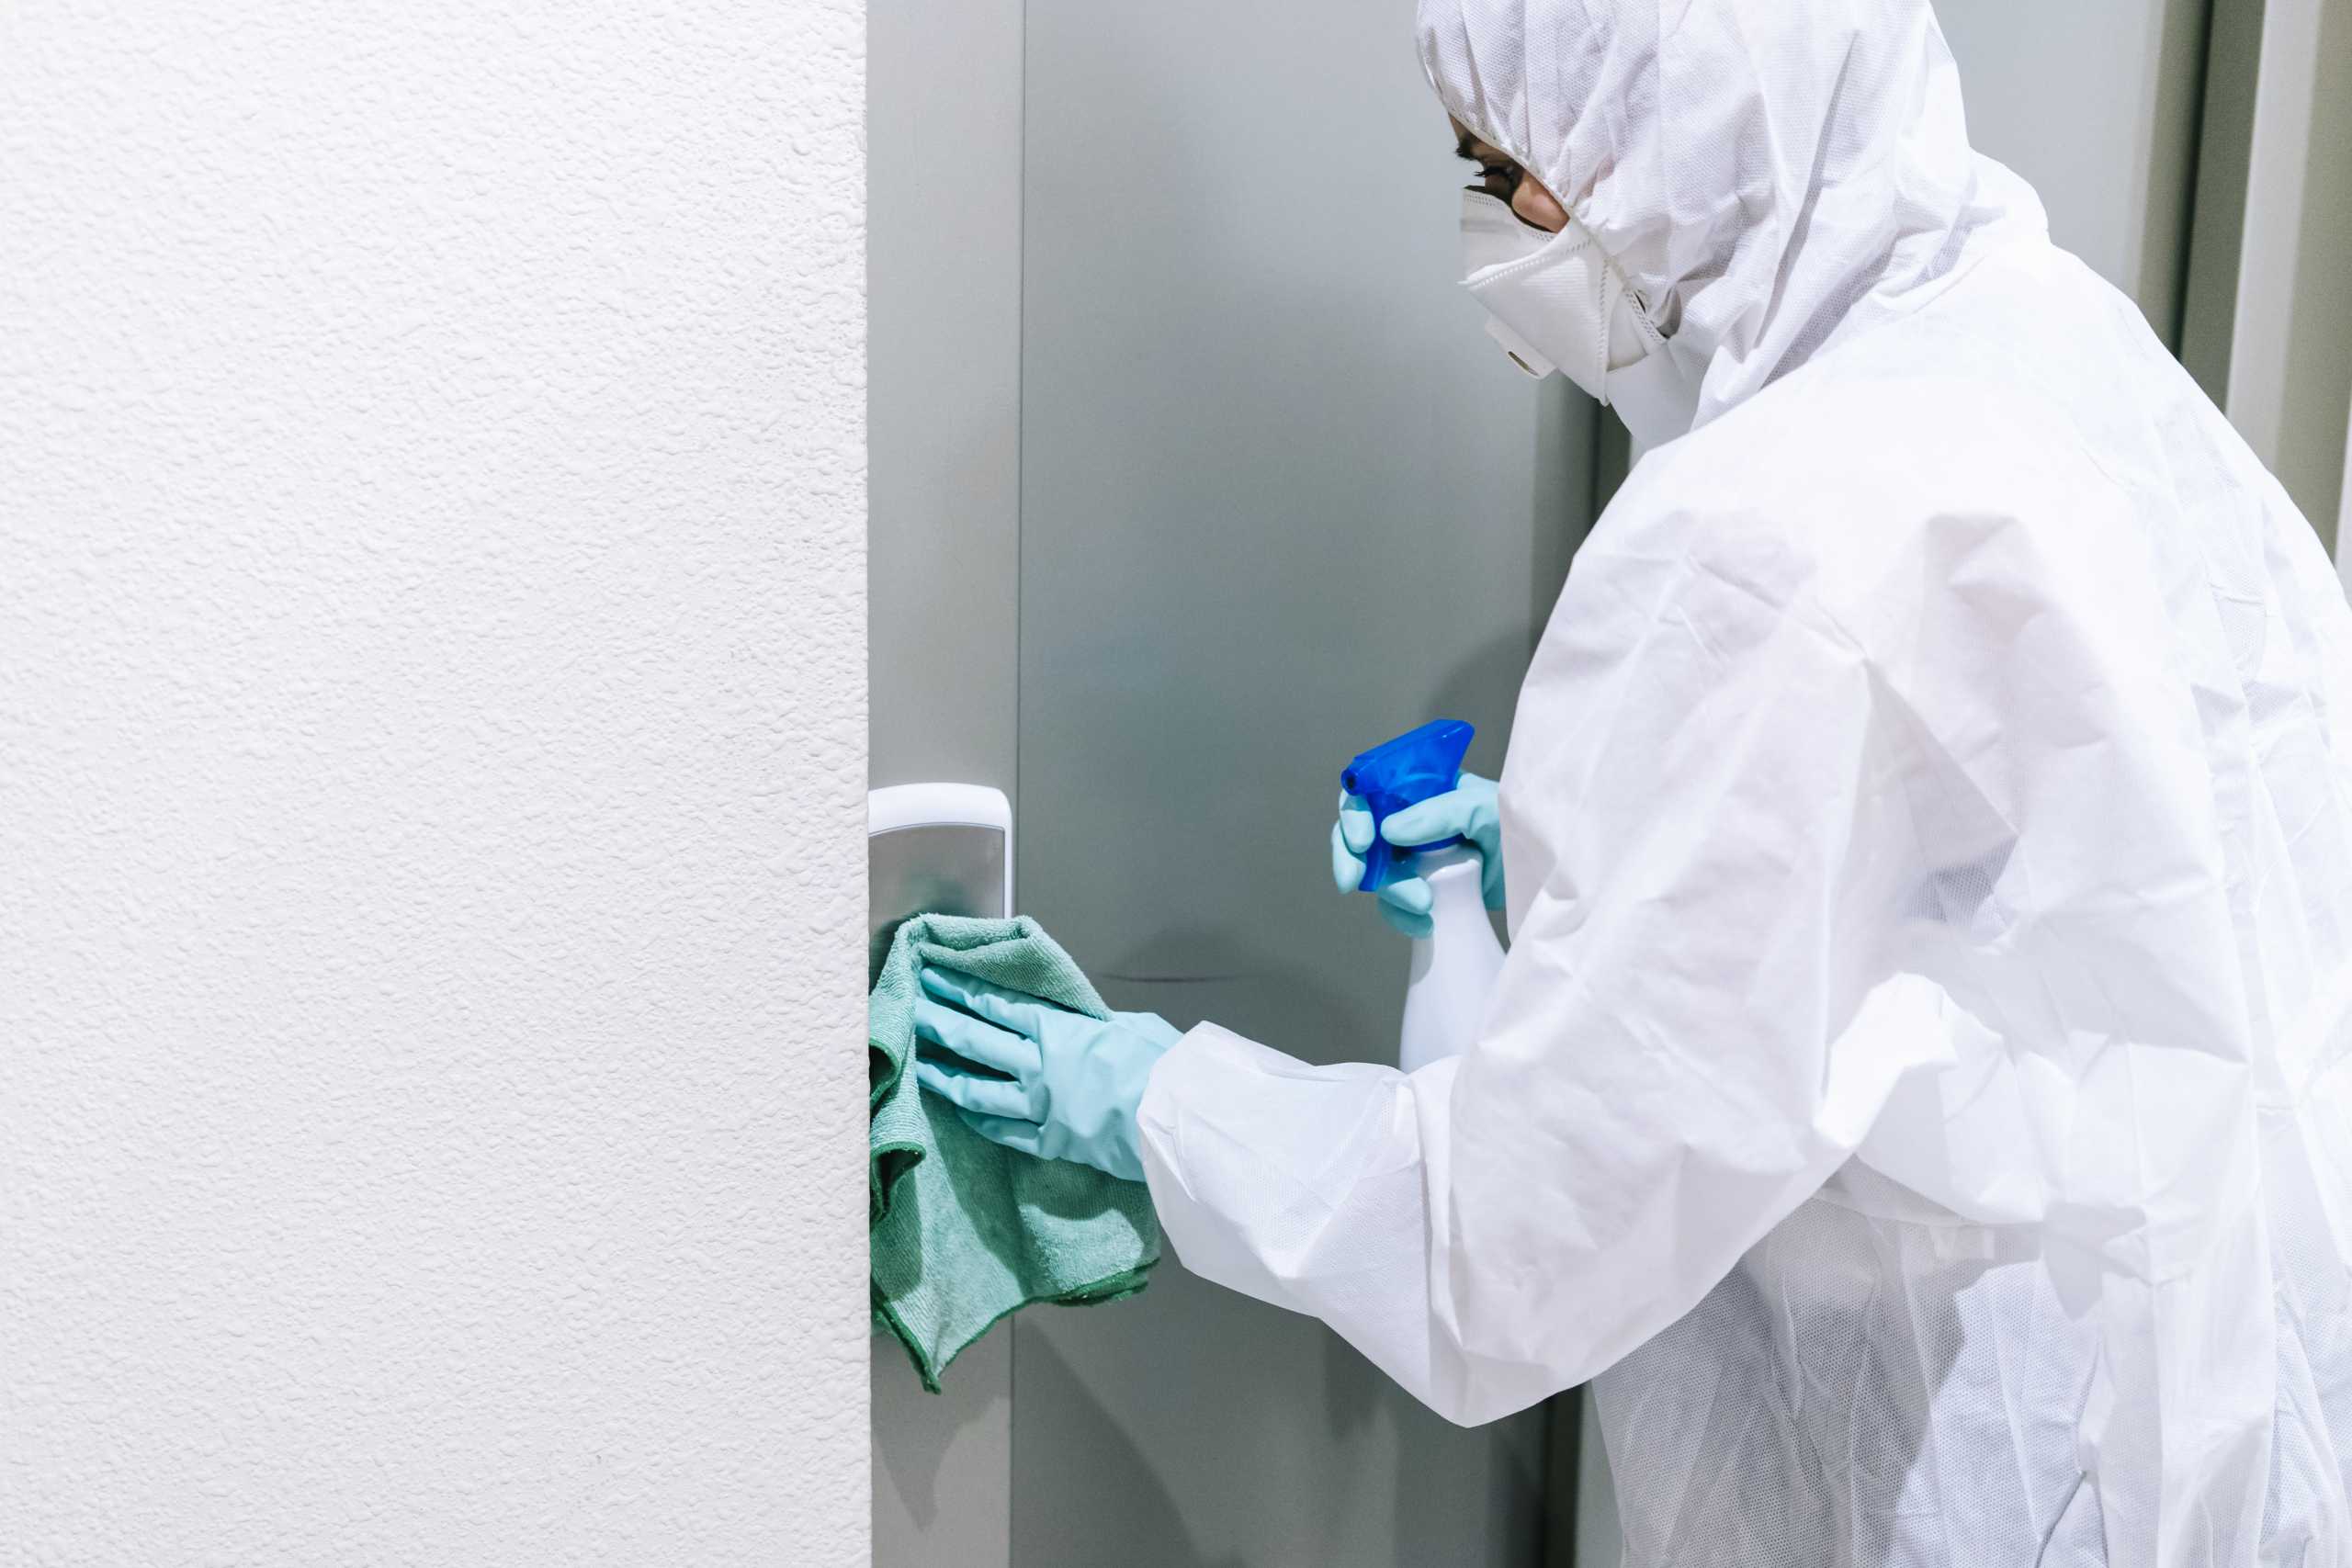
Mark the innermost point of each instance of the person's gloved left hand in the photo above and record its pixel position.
(1069, 1085)
(1469, 810)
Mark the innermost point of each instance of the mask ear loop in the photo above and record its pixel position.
(1612, 290)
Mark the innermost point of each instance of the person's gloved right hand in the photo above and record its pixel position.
(1050, 1082)
(1468, 810)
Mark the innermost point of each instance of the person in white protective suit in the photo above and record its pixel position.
(1919, 1091)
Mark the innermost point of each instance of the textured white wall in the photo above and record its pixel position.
(431, 782)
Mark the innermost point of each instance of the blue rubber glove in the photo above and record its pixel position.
(1466, 811)
(1036, 1077)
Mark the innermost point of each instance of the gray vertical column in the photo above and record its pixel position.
(2270, 317)
(1280, 499)
(944, 361)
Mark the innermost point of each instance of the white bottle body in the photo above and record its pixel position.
(1454, 967)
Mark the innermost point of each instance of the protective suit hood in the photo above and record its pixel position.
(1767, 176)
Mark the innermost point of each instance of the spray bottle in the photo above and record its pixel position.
(1454, 968)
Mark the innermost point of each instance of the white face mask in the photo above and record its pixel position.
(1558, 302)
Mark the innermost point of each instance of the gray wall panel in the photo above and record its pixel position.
(942, 1463)
(944, 380)
(2096, 102)
(1282, 497)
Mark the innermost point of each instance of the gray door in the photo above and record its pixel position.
(1280, 499)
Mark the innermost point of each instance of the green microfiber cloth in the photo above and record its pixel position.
(965, 1230)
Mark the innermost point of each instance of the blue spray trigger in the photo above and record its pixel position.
(1401, 773)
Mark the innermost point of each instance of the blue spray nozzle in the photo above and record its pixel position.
(1401, 773)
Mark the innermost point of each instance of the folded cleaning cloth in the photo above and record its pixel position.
(964, 1231)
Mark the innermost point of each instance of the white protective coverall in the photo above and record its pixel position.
(1920, 1088)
